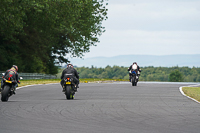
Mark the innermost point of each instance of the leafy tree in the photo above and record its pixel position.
(176, 76)
(37, 35)
(147, 74)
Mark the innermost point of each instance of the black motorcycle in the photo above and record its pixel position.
(69, 86)
(134, 78)
(8, 88)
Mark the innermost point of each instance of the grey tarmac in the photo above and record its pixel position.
(101, 108)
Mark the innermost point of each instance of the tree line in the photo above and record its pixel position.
(150, 73)
(37, 35)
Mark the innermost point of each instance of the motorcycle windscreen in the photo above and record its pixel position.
(133, 72)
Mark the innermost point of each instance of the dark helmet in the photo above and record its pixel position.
(69, 65)
(16, 68)
(135, 63)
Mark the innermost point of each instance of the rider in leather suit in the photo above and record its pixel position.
(138, 69)
(12, 73)
(70, 70)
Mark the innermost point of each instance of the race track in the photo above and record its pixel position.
(101, 108)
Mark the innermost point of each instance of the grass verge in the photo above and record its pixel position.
(100, 80)
(193, 92)
(48, 81)
(38, 81)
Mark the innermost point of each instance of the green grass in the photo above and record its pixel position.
(48, 81)
(193, 92)
(38, 81)
(100, 80)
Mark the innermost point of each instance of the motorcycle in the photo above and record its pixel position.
(8, 89)
(69, 86)
(134, 78)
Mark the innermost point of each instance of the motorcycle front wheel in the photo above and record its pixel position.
(5, 93)
(133, 81)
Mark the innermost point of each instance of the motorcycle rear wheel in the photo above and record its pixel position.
(5, 93)
(68, 92)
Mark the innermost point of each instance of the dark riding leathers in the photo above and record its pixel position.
(13, 75)
(70, 70)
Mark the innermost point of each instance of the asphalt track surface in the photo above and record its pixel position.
(101, 108)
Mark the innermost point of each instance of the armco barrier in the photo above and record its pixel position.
(33, 76)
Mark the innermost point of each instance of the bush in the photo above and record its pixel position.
(175, 76)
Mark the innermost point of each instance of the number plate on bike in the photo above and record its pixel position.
(7, 81)
(68, 83)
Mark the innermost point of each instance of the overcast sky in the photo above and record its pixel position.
(150, 27)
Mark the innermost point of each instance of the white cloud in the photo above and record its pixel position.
(151, 27)
(154, 15)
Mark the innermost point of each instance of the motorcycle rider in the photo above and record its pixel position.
(11, 73)
(132, 67)
(70, 70)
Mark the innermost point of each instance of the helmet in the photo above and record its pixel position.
(69, 65)
(135, 63)
(16, 68)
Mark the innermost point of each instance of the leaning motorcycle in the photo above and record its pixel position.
(69, 86)
(8, 89)
(134, 78)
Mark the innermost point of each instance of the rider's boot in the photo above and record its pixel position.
(63, 89)
(75, 87)
(13, 90)
(1, 87)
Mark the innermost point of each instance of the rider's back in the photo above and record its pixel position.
(69, 71)
(10, 73)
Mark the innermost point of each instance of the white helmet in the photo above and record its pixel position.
(69, 65)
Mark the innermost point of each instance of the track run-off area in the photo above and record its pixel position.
(101, 108)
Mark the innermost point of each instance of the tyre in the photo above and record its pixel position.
(68, 92)
(5, 93)
(133, 81)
